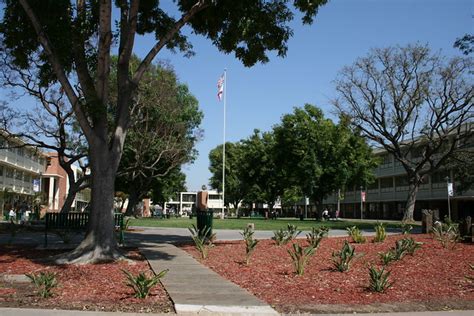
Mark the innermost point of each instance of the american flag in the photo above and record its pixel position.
(220, 88)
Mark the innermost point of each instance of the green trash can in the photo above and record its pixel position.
(204, 220)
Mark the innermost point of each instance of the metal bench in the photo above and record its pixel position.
(75, 221)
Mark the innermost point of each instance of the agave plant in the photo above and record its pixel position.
(379, 280)
(141, 283)
(342, 259)
(356, 235)
(203, 240)
(250, 243)
(316, 235)
(380, 233)
(300, 257)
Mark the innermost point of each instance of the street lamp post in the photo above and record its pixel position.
(449, 189)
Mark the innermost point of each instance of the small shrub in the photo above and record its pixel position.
(316, 235)
(447, 234)
(292, 232)
(411, 245)
(379, 281)
(356, 235)
(44, 283)
(342, 259)
(400, 250)
(387, 257)
(300, 257)
(202, 240)
(380, 233)
(250, 243)
(280, 237)
(406, 228)
(141, 283)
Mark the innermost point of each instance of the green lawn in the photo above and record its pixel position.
(260, 224)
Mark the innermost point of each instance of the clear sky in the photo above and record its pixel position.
(343, 30)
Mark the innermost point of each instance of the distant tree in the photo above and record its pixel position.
(414, 104)
(263, 176)
(235, 188)
(74, 42)
(465, 44)
(318, 156)
(164, 188)
(164, 130)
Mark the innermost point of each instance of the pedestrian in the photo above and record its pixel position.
(12, 215)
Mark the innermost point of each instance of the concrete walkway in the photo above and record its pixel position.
(196, 289)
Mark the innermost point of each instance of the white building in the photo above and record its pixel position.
(20, 171)
(184, 202)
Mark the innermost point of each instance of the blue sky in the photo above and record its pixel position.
(343, 30)
(257, 97)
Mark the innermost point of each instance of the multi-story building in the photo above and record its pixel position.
(56, 186)
(21, 168)
(387, 196)
(184, 202)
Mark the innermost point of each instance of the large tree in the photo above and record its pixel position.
(235, 187)
(163, 131)
(74, 41)
(319, 156)
(263, 175)
(414, 104)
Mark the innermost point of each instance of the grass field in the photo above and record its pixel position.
(260, 223)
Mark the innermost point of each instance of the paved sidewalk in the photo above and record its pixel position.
(195, 288)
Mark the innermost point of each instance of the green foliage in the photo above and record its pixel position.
(406, 228)
(280, 237)
(292, 232)
(342, 259)
(411, 245)
(380, 234)
(447, 233)
(300, 257)
(236, 189)
(319, 156)
(316, 235)
(141, 283)
(356, 235)
(404, 246)
(250, 243)
(44, 282)
(202, 240)
(379, 280)
(387, 257)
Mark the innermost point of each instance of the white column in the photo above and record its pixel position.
(51, 194)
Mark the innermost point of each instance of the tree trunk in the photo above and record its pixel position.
(71, 195)
(99, 244)
(410, 205)
(133, 200)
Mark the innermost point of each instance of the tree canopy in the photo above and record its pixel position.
(74, 43)
(414, 104)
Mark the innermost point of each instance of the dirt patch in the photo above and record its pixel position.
(98, 287)
(433, 279)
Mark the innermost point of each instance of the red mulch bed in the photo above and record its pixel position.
(98, 287)
(434, 276)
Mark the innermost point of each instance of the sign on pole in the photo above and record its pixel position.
(36, 185)
(450, 189)
(362, 195)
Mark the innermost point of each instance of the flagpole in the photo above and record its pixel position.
(223, 146)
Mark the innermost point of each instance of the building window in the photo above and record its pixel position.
(18, 175)
(373, 187)
(386, 161)
(214, 197)
(401, 183)
(386, 184)
(438, 179)
(9, 173)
